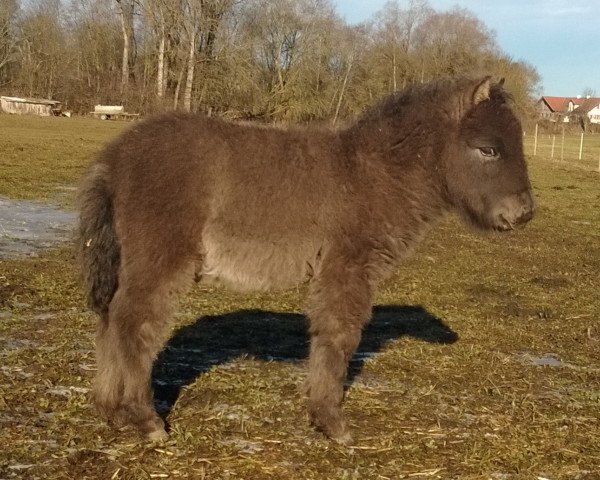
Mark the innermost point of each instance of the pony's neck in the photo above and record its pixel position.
(402, 166)
(408, 154)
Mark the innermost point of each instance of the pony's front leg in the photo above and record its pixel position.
(340, 305)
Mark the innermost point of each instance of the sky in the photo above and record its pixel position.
(560, 38)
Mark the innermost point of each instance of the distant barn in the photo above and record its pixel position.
(30, 106)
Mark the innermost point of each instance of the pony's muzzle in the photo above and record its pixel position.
(515, 211)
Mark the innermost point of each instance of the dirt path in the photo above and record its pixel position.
(26, 227)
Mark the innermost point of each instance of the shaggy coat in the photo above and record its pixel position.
(182, 196)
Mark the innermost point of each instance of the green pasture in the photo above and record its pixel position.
(482, 361)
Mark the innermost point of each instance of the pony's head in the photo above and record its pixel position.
(485, 172)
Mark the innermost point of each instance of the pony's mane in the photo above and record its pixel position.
(425, 96)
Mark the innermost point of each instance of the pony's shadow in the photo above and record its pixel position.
(272, 336)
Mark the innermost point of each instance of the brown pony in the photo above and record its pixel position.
(181, 197)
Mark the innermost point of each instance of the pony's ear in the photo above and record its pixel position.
(482, 91)
(501, 82)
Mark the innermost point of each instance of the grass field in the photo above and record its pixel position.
(42, 158)
(566, 150)
(482, 361)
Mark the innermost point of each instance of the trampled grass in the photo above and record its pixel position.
(482, 361)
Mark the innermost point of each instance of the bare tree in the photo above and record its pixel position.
(42, 49)
(95, 32)
(192, 15)
(284, 36)
(394, 32)
(588, 92)
(156, 11)
(8, 40)
(163, 16)
(292, 60)
(350, 43)
(454, 42)
(126, 15)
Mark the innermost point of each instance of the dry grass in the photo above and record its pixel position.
(517, 396)
(42, 158)
(566, 151)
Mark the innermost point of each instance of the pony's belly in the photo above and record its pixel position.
(247, 264)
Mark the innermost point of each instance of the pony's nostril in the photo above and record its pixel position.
(526, 215)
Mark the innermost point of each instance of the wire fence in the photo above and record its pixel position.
(578, 149)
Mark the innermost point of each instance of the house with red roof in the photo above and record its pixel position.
(590, 107)
(565, 109)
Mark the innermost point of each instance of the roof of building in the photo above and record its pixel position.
(38, 101)
(556, 104)
(587, 105)
(560, 104)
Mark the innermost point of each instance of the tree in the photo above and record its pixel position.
(521, 80)
(8, 39)
(289, 60)
(193, 13)
(453, 43)
(201, 20)
(126, 15)
(394, 33)
(588, 92)
(159, 12)
(42, 49)
(95, 52)
(287, 38)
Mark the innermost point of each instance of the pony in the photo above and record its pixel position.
(184, 197)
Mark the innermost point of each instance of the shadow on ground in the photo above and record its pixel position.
(271, 336)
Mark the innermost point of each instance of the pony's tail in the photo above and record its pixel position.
(97, 243)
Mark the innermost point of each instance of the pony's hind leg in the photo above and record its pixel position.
(127, 343)
(340, 305)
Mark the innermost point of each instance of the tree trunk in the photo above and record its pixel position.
(50, 84)
(278, 68)
(178, 88)
(126, 16)
(342, 90)
(394, 73)
(189, 81)
(161, 65)
(166, 67)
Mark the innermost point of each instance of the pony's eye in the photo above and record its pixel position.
(488, 151)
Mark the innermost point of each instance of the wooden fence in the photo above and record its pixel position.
(581, 149)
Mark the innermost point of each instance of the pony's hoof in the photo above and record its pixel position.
(158, 435)
(153, 429)
(344, 438)
(331, 423)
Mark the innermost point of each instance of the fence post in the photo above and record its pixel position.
(552, 152)
(581, 146)
(562, 145)
(535, 140)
